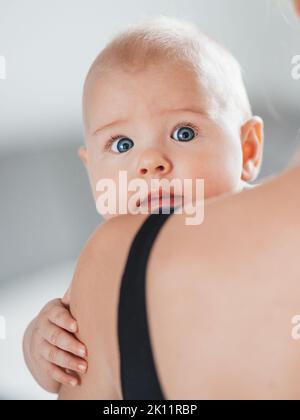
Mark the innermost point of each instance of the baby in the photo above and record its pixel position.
(161, 101)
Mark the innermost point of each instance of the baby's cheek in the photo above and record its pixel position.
(217, 186)
(222, 176)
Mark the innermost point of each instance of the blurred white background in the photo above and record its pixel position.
(46, 209)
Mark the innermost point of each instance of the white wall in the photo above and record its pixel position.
(49, 46)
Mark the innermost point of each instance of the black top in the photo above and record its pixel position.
(138, 373)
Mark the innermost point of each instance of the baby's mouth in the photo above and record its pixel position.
(158, 200)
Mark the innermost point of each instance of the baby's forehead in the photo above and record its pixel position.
(153, 89)
(163, 75)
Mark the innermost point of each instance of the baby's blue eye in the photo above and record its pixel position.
(123, 145)
(120, 144)
(185, 134)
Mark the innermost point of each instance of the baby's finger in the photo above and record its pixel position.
(60, 316)
(66, 300)
(59, 375)
(62, 359)
(63, 340)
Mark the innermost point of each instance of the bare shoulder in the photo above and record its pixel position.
(94, 299)
(104, 250)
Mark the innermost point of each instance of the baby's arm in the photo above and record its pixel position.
(51, 349)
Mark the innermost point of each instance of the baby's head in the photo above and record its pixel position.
(164, 101)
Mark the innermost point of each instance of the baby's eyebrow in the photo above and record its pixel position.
(165, 111)
(111, 124)
(190, 110)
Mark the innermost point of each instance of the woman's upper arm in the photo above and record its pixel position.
(94, 300)
(88, 305)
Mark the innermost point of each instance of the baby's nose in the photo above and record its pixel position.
(155, 164)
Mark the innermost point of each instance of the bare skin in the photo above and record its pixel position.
(223, 300)
(50, 349)
(223, 153)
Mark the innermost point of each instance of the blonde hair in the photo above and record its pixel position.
(173, 40)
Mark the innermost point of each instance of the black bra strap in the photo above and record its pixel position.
(138, 373)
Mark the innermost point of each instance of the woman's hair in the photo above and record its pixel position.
(174, 41)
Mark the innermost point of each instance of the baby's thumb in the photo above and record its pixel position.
(66, 300)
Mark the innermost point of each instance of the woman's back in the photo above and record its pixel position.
(220, 304)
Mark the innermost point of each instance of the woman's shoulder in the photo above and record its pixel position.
(94, 299)
(104, 250)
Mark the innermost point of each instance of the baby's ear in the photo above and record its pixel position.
(252, 137)
(82, 153)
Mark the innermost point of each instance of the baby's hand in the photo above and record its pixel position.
(53, 347)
